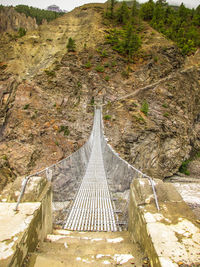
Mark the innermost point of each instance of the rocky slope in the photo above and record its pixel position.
(47, 96)
(10, 20)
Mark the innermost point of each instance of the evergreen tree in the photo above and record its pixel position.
(132, 41)
(134, 10)
(112, 5)
(146, 10)
(71, 46)
(196, 18)
(122, 14)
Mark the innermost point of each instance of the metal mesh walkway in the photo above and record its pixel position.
(92, 209)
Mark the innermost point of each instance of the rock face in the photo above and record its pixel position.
(10, 20)
(160, 141)
(47, 94)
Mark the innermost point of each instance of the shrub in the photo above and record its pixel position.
(107, 78)
(71, 45)
(64, 129)
(92, 101)
(184, 166)
(165, 105)
(21, 32)
(125, 74)
(106, 65)
(166, 114)
(88, 65)
(145, 108)
(50, 73)
(79, 84)
(4, 157)
(3, 67)
(104, 53)
(113, 63)
(107, 117)
(56, 143)
(26, 106)
(99, 68)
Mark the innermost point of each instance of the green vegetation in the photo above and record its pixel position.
(113, 63)
(56, 143)
(50, 73)
(134, 105)
(21, 32)
(107, 117)
(123, 37)
(26, 106)
(92, 101)
(125, 41)
(71, 45)
(64, 129)
(104, 53)
(166, 114)
(4, 157)
(125, 74)
(180, 25)
(145, 108)
(139, 118)
(184, 166)
(99, 68)
(88, 65)
(38, 14)
(165, 105)
(79, 84)
(107, 78)
(3, 66)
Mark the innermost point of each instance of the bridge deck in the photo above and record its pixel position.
(92, 209)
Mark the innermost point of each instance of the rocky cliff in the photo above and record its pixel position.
(10, 20)
(47, 96)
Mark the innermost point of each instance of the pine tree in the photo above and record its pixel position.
(71, 46)
(112, 5)
(122, 14)
(147, 10)
(134, 10)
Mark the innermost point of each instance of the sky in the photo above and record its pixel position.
(69, 5)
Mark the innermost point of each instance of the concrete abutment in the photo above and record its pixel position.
(170, 237)
(21, 231)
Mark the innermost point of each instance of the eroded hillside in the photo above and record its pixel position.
(47, 96)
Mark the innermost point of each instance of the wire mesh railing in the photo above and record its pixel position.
(66, 175)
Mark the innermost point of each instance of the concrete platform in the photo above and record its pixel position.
(95, 249)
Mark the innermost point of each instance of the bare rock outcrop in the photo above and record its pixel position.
(11, 20)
